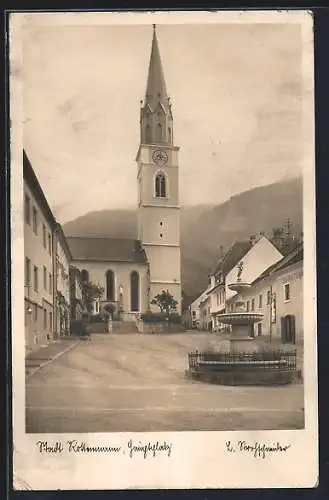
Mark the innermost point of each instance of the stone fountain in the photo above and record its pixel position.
(241, 320)
(245, 363)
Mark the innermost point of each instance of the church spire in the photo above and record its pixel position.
(156, 86)
(156, 117)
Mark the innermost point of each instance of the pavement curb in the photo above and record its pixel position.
(51, 360)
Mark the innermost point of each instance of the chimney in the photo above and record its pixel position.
(252, 239)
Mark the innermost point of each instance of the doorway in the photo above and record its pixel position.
(288, 329)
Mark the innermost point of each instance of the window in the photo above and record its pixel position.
(50, 321)
(49, 243)
(248, 305)
(50, 283)
(287, 291)
(35, 220)
(260, 301)
(44, 277)
(169, 134)
(259, 328)
(44, 238)
(147, 134)
(268, 297)
(27, 271)
(252, 304)
(45, 318)
(217, 299)
(27, 209)
(84, 275)
(35, 275)
(160, 186)
(159, 132)
(193, 314)
(35, 312)
(134, 291)
(110, 285)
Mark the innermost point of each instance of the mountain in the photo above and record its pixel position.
(205, 228)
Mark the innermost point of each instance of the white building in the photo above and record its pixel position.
(62, 283)
(39, 224)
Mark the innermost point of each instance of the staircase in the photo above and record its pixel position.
(124, 327)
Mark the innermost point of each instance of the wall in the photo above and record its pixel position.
(62, 286)
(259, 258)
(294, 306)
(97, 274)
(159, 225)
(37, 331)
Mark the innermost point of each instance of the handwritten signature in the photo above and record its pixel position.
(257, 450)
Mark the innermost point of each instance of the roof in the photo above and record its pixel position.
(33, 183)
(63, 241)
(232, 256)
(296, 255)
(106, 249)
(156, 92)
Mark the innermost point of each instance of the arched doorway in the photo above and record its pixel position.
(134, 291)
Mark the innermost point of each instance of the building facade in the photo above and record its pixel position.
(77, 306)
(62, 283)
(39, 225)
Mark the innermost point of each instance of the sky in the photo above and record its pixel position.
(236, 91)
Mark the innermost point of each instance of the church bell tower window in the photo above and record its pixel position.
(159, 132)
(160, 186)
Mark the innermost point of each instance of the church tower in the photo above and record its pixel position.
(158, 190)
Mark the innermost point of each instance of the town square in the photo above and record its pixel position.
(183, 309)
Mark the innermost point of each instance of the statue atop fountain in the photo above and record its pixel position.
(240, 269)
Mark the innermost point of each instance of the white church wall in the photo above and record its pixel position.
(122, 271)
(160, 225)
(165, 263)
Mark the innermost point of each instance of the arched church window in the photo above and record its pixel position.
(159, 132)
(169, 134)
(110, 285)
(134, 291)
(84, 275)
(160, 186)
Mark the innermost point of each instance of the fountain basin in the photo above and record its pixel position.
(240, 318)
(239, 286)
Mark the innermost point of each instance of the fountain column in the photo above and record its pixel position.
(241, 320)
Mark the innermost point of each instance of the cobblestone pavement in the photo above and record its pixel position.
(46, 353)
(137, 383)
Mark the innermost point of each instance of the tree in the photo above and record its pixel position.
(91, 292)
(165, 301)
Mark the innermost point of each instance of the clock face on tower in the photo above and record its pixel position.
(160, 157)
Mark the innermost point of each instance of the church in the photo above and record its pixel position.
(133, 272)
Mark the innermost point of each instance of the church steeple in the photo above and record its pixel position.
(156, 116)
